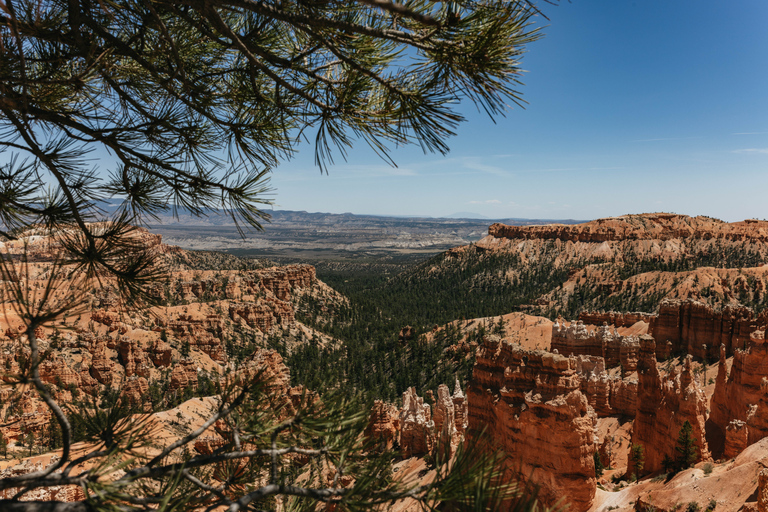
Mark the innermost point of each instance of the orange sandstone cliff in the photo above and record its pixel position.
(739, 406)
(530, 403)
(663, 405)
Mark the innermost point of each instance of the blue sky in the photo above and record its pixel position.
(651, 105)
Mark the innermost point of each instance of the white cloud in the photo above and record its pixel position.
(762, 151)
(665, 139)
(475, 164)
(487, 201)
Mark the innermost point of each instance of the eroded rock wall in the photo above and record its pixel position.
(740, 400)
(416, 428)
(692, 327)
(603, 341)
(664, 403)
(656, 226)
(530, 402)
(615, 318)
(680, 327)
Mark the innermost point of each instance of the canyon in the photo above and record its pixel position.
(567, 396)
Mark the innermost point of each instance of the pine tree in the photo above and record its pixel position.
(637, 458)
(687, 452)
(599, 468)
(669, 464)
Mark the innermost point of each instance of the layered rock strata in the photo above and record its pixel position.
(383, 428)
(615, 318)
(415, 427)
(698, 329)
(739, 405)
(656, 226)
(680, 327)
(417, 435)
(736, 438)
(663, 406)
(762, 490)
(608, 395)
(530, 402)
(604, 341)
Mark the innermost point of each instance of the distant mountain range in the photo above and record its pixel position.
(319, 235)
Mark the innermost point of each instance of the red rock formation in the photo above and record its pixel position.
(281, 281)
(102, 367)
(160, 353)
(262, 315)
(663, 405)
(629, 353)
(133, 358)
(654, 226)
(417, 435)
(460, 410)
(135, 390)
(383, 426)
(736, 438)
(405, 334)
(741, 395)
(203, 333)
(415, 426)
(444, 416)
(681, 326)
(604, 341)
(762, 490)
(183, 376)
(615, 318)
(62, 493)
(530, 403)
(697, 329)
(608, 395)
(57, 372)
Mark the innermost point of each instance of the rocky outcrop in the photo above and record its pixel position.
(103, 368)
(383, 428)
(762, 490)
(604, 341)
(202, 332)
(608, 395)
(135, 390)
(414, 427)
(663, 405)
(529, 401)
(417, 436)
(61, 493)
(615, 318)
(134, 359)
(183, 376)
(736, 438)
(680, 327)
(108, 346)
(282, 281)
(262, 315)
(160, 353)
(460, 410)
(698, 329)
(741, 395)
(652, 226)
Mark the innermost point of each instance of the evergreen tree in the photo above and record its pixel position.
(669, 464)
(52, 437)
(687, 452)
(637, 458)
(599, 468)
